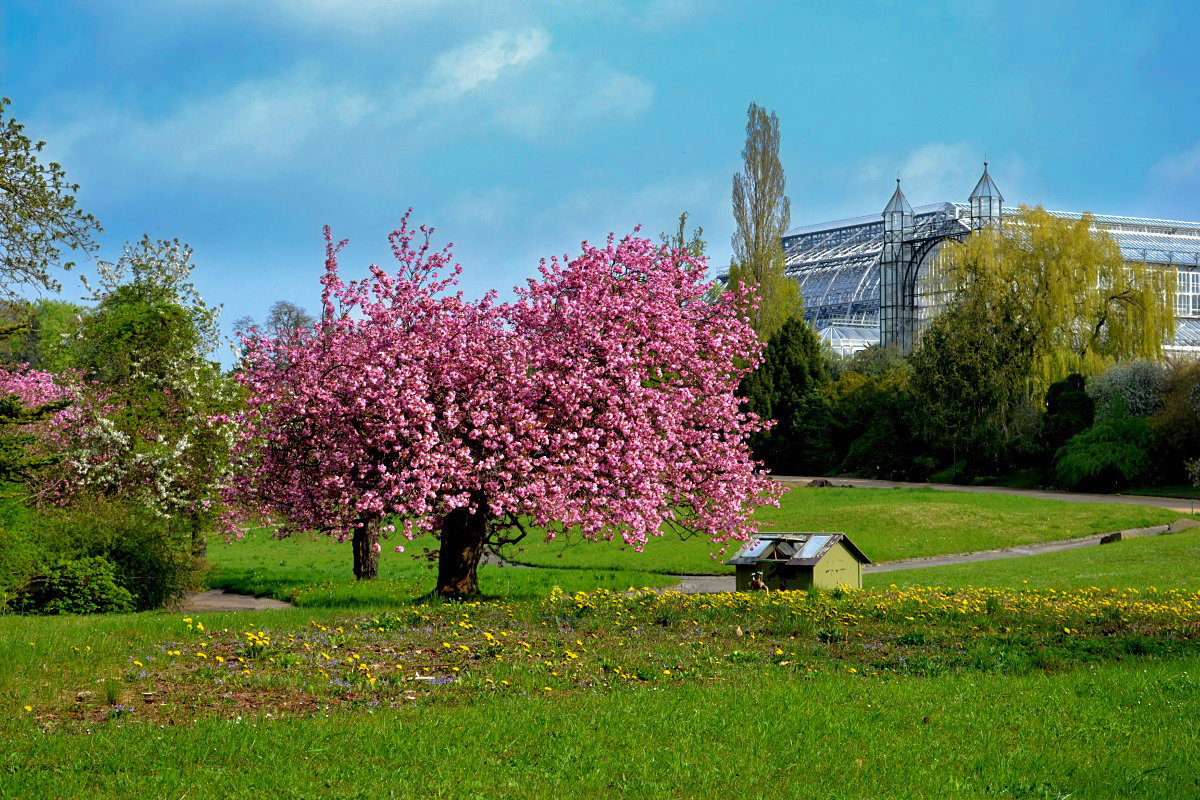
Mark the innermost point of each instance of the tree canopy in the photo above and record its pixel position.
(761, 213)
(1066, 284)
(789, 388)
(152, 423)
(599, 402)
(38, 214)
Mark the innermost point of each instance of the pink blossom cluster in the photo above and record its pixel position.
(600, 400)
(35, 387)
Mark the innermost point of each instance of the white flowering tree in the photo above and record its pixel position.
(152, 424)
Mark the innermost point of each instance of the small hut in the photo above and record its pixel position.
(799, 561)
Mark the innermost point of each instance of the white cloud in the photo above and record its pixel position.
(566, 96)
(659, 14)
(253, 124)
(360, 17)
(494, 207)
(255, 121)
(464, 68)
(518, 82)
(510, 80)
(934, 172)
(940, 171)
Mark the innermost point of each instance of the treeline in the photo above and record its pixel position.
(873, 415)
(1046, 357)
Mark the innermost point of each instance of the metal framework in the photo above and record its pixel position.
(865, 280)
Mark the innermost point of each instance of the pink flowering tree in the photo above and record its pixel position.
(600, 402)
(34, 409)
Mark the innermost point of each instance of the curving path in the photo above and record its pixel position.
(221, 600)
(1181, 505)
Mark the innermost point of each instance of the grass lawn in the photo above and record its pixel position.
(316, 572)
(1185, 492)
(1165, 562)
(885, 523)
(905, 693)
(1042, 690)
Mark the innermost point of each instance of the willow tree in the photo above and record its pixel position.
(761, 213)
(1064, 284)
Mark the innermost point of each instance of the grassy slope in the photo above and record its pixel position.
(1166, 491)
(1098, 730)
(1165, 562)
(886, 523)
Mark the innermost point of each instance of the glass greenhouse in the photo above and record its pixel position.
(839, 264)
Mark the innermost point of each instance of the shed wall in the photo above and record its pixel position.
(839, 567)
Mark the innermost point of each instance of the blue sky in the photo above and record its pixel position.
(520, 128)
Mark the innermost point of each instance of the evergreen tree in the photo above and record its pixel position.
(790, 388)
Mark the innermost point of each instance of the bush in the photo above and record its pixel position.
(1176, 424)
(1111, 455)
(146, 558)
(77, 586)
(1138, 385)
(874, 426)
(1069, 411)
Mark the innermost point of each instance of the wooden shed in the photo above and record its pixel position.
(800, 560)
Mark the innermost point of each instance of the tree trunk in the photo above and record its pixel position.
(199, 542)
(461, 549)
(366, 554)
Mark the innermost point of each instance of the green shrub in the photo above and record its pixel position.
(1112, 454)
(77, 586)
(1069, 411)
(19, 556)
(148, 559)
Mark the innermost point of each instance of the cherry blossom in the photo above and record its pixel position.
(599, 402)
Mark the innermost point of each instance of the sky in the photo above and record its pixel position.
(520, 129)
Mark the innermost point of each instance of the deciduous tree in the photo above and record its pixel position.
(1067, 285)
(38, 215)
(761, 212)
(600, 402)
(153, 424)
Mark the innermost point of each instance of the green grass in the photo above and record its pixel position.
(1165, 562)
(1185, 492)
(904, 693)
(1118, 731)
(884, 694)
(315, 572)
(886, 524)
(1021, 479)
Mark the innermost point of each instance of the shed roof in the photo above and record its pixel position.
(801, 549)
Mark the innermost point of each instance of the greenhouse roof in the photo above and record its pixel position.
(836, 262)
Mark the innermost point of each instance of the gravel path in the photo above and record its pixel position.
(710, 584)
(221, 600)
(1173, 503)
